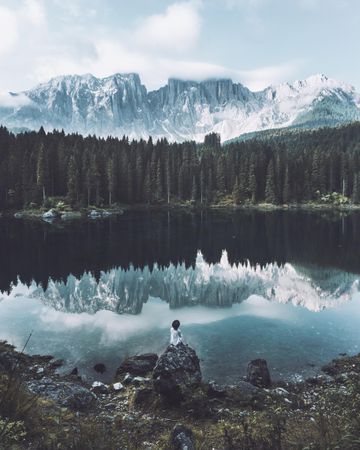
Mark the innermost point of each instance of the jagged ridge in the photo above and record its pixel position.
(181, 110)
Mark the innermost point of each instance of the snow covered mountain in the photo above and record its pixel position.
(181, 110)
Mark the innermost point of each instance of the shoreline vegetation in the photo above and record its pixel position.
(43, 410)
(68, 213)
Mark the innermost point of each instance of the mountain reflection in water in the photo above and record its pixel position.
(216, 285)
(38, 251)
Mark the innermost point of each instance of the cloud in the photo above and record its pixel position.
(178, 28)
(110, 56)
(231, 4)
(150, 49)
(33, 12)
(262, 77)
(8, 100)
(12, 20)
(9, 30)
(156, 314)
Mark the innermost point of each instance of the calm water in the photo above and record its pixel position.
(278, 285)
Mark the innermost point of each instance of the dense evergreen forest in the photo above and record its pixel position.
(285, 167)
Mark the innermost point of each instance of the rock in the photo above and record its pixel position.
(100, 368)
(75, 371)
(258, 373)
(142, 395)
(177, 369)
(99, 388)
(51, 214)
(94, 214)
(280, 391)
(56, 363)
(128, 379)
(117, 387)
(319, 380)
(248, 393)
(215, 391)
(140, 380)
(64, 393)
(138, 365)
(182, 438)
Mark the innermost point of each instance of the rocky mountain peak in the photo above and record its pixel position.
(181, 110)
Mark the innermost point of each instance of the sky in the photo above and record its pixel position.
(255, 42)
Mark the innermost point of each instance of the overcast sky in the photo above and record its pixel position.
(256, 42)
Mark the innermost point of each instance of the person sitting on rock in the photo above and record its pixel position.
(175, 333)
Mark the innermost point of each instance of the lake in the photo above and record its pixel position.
(281, 285)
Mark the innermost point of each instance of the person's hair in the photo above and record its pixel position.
(175, 324)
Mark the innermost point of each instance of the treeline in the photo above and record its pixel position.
(293, 167)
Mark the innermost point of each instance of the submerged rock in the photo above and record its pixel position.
(100, 368)
(177, 369)
(182, 438)
(138, 365)
(64, 393)
(258, 373)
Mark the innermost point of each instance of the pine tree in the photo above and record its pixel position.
(41, 172)
(270, 196)
(286, 188)
(220, 175)
(110, 179)
(252, 180)
(168, 179)
(237, 192)
(202, 186)
(71, 182)
(147, 185)
(181, 183)
(194, 189)
(356, 189)
(158, 182)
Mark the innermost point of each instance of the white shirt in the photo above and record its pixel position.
(175, 336)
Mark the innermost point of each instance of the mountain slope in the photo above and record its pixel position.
(180, 110)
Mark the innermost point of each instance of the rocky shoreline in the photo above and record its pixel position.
(68, 215)
(162, 403)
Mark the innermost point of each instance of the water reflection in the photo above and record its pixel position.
(39, 251)
(216, 285)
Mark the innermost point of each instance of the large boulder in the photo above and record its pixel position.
(64, 393)
(138, 365)
(49, 215)
(177, 370)
(258, 373)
